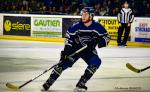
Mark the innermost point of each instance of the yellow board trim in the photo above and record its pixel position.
(32, 38)
(61, 40)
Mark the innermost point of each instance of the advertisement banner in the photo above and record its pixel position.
(46, 27)
(141, 29)
(1, 24)
(16, 25)
(111, 25)
(67, 22)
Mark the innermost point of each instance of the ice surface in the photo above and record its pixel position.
(23, 60)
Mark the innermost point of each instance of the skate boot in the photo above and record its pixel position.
(47, 84)
(53, 77)
(80, 87)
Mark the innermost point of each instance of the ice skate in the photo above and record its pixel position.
(80, 89)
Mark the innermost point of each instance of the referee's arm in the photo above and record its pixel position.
(119, 17)
(131, 17)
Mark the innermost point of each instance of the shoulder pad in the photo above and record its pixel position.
(99, 28)
(72, 30)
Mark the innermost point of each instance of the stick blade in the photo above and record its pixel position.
(129, 66)
(11, 86)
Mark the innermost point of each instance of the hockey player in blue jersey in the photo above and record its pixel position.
(85, 32)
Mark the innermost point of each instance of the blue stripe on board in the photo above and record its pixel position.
(142, 39)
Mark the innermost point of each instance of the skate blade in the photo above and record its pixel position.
(79, 90)
(11, 86)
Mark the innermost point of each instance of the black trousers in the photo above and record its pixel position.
(120, 33)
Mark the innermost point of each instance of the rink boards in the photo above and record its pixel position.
(52, 28)
(61, 40)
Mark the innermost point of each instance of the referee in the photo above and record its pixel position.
(125, 18)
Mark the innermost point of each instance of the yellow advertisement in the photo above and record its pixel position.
(111, 25)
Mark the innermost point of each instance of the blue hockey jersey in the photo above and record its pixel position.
(79, 35)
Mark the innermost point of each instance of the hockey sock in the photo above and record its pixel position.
(53, 77)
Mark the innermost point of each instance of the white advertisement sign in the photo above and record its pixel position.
(141, 30)
(46, 27)
(1, 24)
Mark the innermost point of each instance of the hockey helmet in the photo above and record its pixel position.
(89, 10)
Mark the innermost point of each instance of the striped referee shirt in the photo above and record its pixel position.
(125, 16)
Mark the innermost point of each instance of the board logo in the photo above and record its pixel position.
(7, 25)
(16, 25)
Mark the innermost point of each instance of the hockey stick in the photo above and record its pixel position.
(14, 87)
(129, 66)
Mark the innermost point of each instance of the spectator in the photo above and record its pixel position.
(43, 9)
(77, 12)
(22, 10)
(102, 7)
(147, 10)
(14, 8)
(114, 12)
(49, 10)
(97, 9)
(57, 4)
(74, 6)
(25, 2)
(103, 11)
(53, 11)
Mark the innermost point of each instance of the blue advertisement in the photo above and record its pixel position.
(142, 30)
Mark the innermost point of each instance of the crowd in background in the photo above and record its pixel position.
(72, 7)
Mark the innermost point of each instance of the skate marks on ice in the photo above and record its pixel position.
(12, 64)
(96, 85)
(20, 61)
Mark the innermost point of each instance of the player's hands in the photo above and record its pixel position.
(65, 57)
(104, 41)
(92, 43)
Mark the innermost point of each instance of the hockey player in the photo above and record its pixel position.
(85, 32)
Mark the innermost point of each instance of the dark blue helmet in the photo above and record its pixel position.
(90, 10)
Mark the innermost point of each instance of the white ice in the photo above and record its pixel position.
(23, 60)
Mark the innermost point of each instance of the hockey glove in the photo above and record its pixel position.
(103, 42)
(92, 43)
(65, 57)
